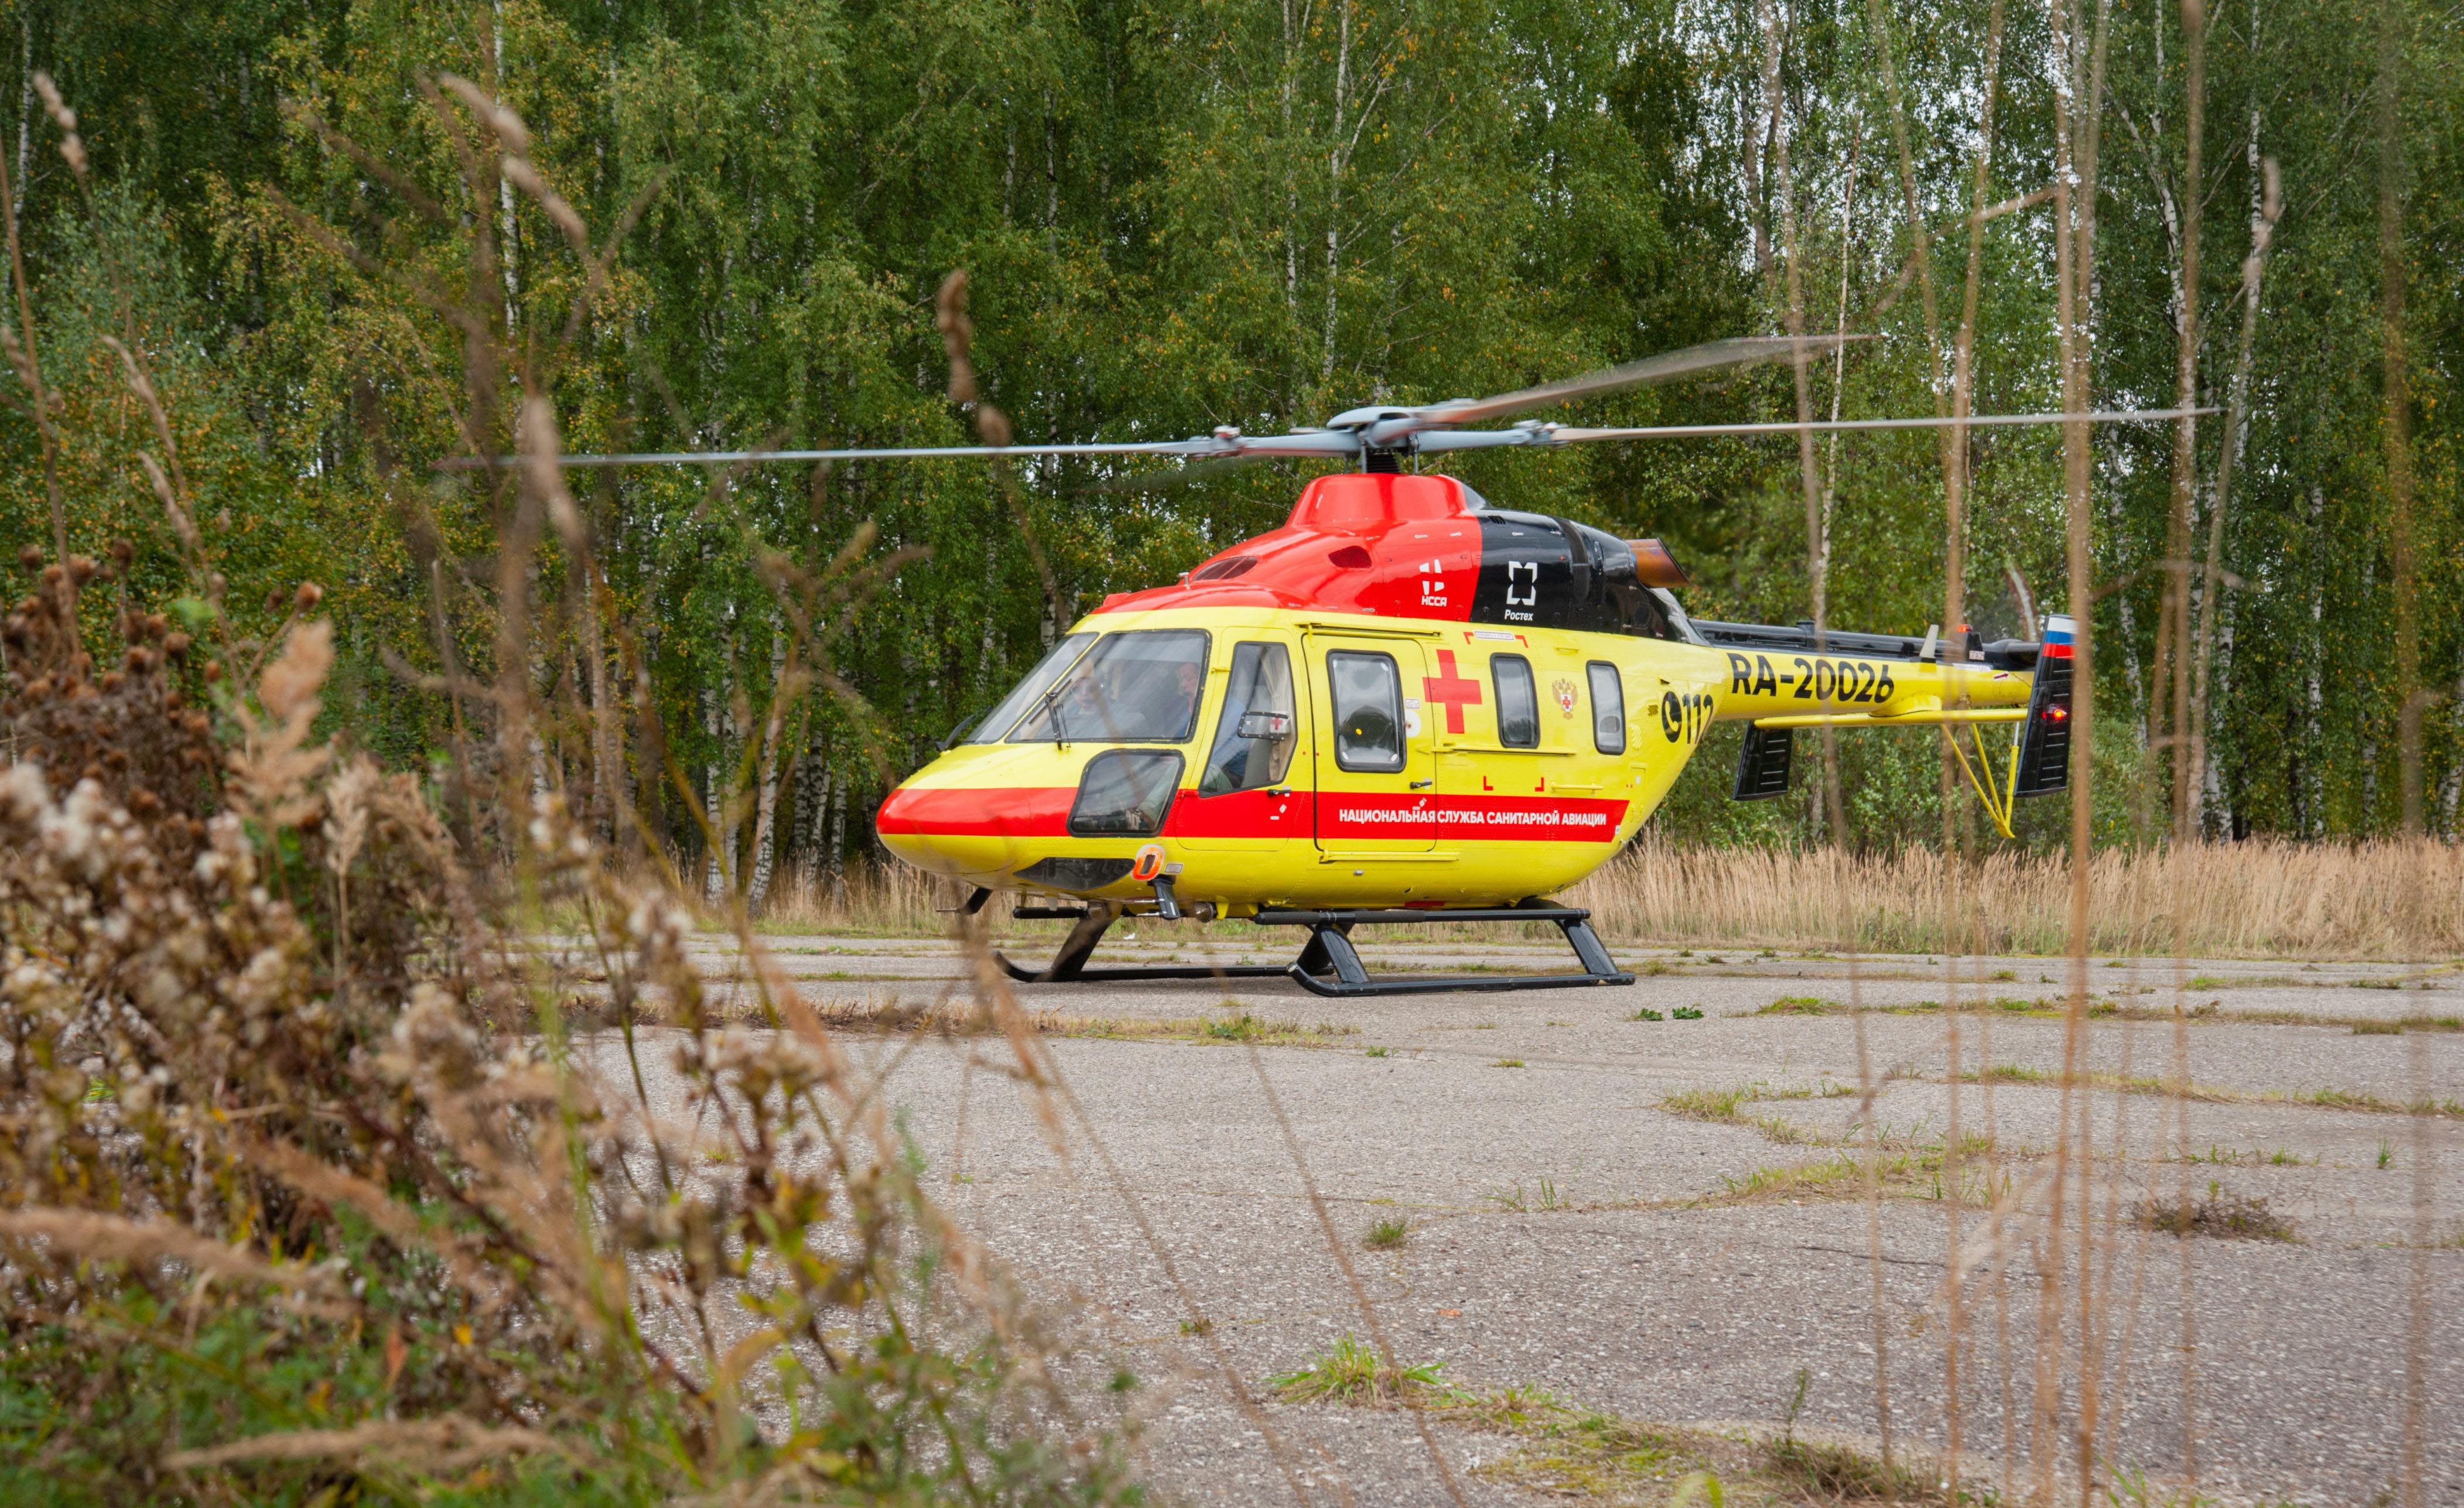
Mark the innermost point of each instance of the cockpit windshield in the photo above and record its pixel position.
(1139, 686)
(1000, 719)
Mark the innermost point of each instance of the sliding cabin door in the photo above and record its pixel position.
(1376, 773)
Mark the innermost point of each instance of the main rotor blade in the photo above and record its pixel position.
(1309, 442)
(1663, 367)
(1180, 476)
(1301, 442)
(1206, 445)
(1568, 436)
(1304, 444)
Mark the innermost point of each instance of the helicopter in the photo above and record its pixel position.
(1407, 705)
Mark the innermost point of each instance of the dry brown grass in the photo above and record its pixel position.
(2372, 900)
(868, 899)
(2232, 1216)
(2387, 899)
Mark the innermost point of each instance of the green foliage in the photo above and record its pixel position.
(87, 1415)
(1187, 213)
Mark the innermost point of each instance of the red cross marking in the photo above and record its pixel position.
(1451, 692)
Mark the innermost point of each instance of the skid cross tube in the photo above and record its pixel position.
(1329, 950)
(1329, 964)
(1070, 965)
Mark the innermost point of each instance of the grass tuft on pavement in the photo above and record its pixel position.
(2231, 1216)
(1349, 1372)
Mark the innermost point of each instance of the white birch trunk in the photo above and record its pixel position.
(1334, 189)
(838, 833)
(716, 881)
(765, 808)
(609, 790)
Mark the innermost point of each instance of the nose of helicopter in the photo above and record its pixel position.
(913, 822)
(977, 812)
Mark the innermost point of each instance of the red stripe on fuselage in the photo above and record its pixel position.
(1043, 812)
(1238, 814)
(978, 811)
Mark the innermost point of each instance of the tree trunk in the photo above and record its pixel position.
(766, 805)
(1919, 240)
(2076, 144)
(1954, 829)
(1334, 190)
(838, 833)
(610, 793)
(1808, 466)
(716, 877)
(813, 812)
(2398, 427)
(2173, 630)
(2312, 793)
(650, 746)
(1285, 88)
(2262, 231)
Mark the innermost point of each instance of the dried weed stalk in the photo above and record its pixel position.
(284, 1208)
(310, 1194)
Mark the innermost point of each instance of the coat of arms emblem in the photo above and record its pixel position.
(1565, 690)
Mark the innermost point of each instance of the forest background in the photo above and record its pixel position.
(1176, 214)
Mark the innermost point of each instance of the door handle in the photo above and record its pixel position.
(1423, 785)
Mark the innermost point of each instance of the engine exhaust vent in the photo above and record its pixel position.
(1655, 566)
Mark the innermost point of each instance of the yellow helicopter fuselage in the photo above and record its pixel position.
(1377, 705)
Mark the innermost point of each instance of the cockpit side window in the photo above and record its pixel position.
(1038, 681)
(1255, 736)
(1139, 686)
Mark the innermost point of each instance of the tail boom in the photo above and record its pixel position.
(1794, 677)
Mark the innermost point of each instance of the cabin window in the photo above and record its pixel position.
(1124, 793)
(1139, 686)
(1608, 708)
(1518, 702)
(1038, 681)
(1367, 710)
(1259, 728)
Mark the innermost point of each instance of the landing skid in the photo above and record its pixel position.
(1329, 964)
(1329, 950)
(1070, 965)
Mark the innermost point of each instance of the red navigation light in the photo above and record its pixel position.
(2055, 714)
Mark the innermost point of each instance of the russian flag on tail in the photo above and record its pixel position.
(2058, 637)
